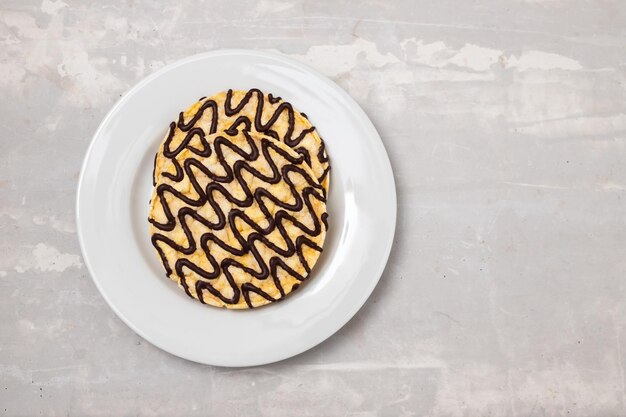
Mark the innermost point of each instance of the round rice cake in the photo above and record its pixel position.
(244, 224)
(251, 110)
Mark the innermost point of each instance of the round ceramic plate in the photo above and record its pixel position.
(112, 211)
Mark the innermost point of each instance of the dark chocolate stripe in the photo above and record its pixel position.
(300, 201)
(242, 122)
(185, 126)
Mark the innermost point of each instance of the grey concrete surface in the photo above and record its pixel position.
(505, 122)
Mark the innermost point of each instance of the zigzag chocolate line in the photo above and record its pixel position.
(230, 110)
(259, 234)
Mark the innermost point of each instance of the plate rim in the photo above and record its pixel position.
(354, 106)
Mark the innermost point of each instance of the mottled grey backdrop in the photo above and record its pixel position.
(505, 122)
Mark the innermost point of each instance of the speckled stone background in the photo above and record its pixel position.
(505, 122)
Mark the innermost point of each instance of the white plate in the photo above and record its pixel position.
(112, 210)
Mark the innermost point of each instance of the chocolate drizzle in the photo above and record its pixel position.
(282, 111)
(184, 126)
(192, 164)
